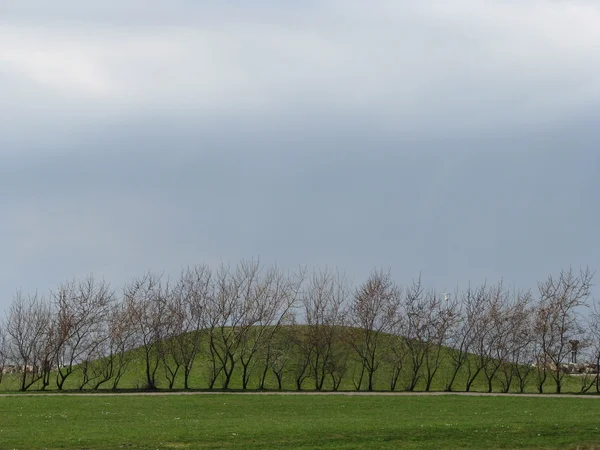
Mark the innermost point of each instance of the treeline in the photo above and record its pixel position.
(253, 322)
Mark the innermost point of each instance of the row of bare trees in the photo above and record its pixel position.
(253, 323)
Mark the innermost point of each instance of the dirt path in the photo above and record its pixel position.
(345, 393)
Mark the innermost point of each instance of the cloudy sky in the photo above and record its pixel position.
(456, 138)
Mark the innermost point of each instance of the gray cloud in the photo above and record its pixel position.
(464, 65)
(453, 138)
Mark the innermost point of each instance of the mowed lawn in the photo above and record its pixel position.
(297, 421)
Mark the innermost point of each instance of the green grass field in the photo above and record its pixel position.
(297, 421)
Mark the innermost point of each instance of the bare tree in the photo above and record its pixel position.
(416, 323)
(524, 365)
(558, 319)
(173, 324)
(593, 337)
(183, 325)
(302, 348)
(480, 318)
(87, 367)
(372, 316)
(517, 343)
(396, 350)
(337, 366)
(268, 304)
(280, 352)
(27, 327)
(82, 309)
(115, 353)
(227, 319)
(542, 363)
(495, 351)
(441, 320)
(285, 291)
(428, 322)
(588, 347)
(461, 335)
(524, 361)
(3, 349)
(247, 308)
(145, 304)
(259, 309)
(322, 304)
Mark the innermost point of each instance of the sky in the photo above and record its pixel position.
(456, 139)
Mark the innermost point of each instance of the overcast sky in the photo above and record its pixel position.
(454, 138)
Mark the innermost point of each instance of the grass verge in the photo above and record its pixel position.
(271, 421)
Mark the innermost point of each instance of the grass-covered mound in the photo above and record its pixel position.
(291, 363)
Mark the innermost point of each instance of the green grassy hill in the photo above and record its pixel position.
(134, 376)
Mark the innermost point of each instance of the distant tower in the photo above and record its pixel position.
(574, 345)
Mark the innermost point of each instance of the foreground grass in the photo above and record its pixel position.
(300, 421)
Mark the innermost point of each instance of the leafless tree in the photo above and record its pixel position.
(524, 362)
(248, 307)
(3, 349)
(441, 320)
(173, 324)
(323, 308)
(183, 321)
(145, 303)
(337, 366)
(506, 351)
(280, 351)
(588, 347)
(302, 349)
(115, 353)
(461, 333)
(271, 345)
(542, 363)
(593, 337)
(416, 324)
(396, 350)
(27, 327)
(428, 322)
(259, 303)
(269, 303)
(517, 343)
(227, 320)
(479, 316)
(495, 349)
(372, 316)
(87, 368)
(558, 319)
(82, 309)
